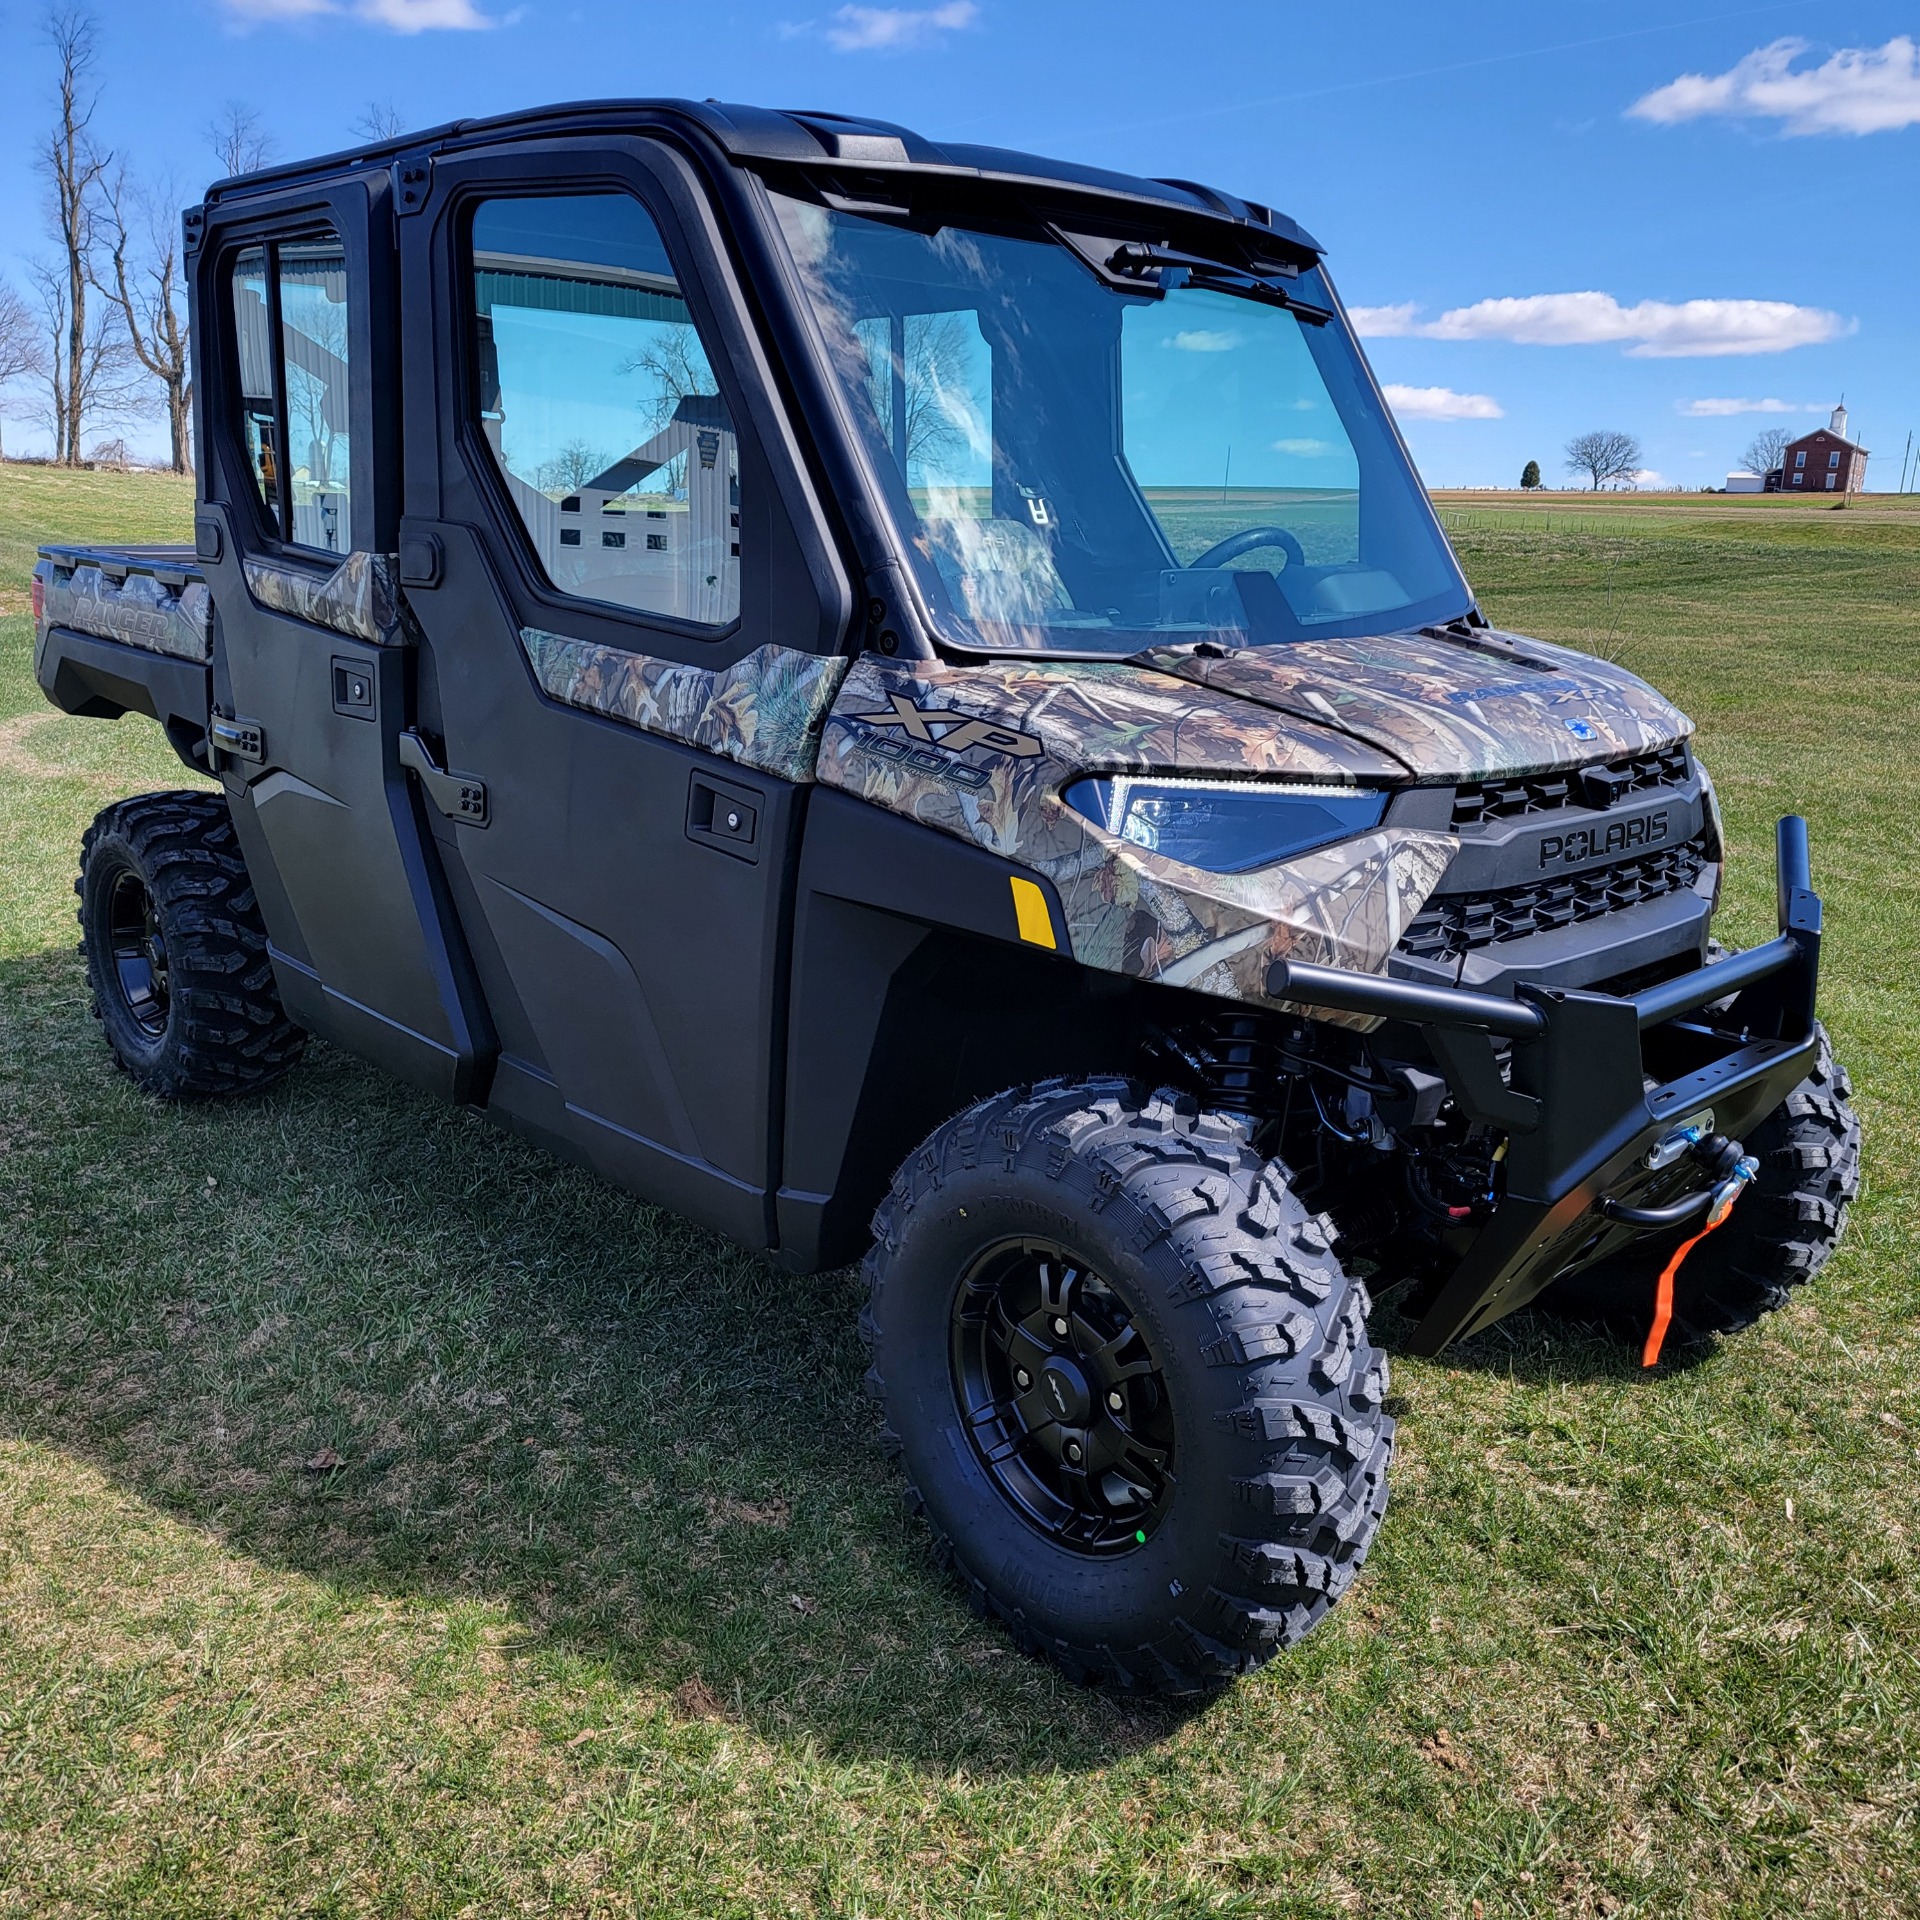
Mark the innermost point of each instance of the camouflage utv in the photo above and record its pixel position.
(908, 699)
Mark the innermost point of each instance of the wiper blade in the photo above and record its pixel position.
(1171, 268)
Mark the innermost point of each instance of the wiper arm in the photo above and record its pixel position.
(1172, 268)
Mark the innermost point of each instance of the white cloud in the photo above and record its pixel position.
(1303, 449)
(1649, 330)
(1726, 409)
(1857, 90)
(279, 9)
(1383, 323)
(397, 16)
(1442, 403)
(1646, 477)
(891, 29)
(424, 16)
(1203, 340)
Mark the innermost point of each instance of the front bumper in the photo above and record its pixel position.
(1592, 1083)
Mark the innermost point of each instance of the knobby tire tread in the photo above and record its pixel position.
(1251, 1279)
(1779, 1236)
(227, 1032)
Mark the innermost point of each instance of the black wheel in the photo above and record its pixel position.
(175, 951)
(1130, 1384)
(1779, 1236)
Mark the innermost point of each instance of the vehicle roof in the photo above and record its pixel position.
(803, 139)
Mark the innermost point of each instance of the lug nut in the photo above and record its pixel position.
(1073, 1451)
(1022, 1378)
(1059, 1328)
(1117, 1400)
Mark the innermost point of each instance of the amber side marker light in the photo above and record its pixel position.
(1031, 915)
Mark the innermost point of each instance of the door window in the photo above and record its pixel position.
(294, 362)
(600, 408)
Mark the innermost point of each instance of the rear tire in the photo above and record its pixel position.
(1779, 1236)
(1204, 1306)
(175, 950)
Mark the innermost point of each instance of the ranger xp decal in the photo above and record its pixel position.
(958, 731)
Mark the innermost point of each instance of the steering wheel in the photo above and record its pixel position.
(1235, 544)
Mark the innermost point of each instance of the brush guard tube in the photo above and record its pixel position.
(1573, 1098)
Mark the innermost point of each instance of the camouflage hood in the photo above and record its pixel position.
(1476, 708)
(982, 751)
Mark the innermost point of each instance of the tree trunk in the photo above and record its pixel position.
(72, 165)
(178, 430)
(73, 425)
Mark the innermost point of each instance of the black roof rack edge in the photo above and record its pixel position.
(800, 137)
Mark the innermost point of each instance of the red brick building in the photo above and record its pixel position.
(1823, 462)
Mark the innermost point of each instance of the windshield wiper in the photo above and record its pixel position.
(1171, 268)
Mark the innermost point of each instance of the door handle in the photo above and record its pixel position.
(724, 817)
(458, 795)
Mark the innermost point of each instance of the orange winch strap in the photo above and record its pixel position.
(1663, 1287)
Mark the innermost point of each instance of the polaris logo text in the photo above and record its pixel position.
(1595, 843)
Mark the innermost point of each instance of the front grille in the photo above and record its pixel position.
(1485, 800)
(1458, 924)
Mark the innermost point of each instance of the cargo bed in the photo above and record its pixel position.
(127, 630)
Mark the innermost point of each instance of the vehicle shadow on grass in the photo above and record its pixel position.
(1537, 1347)
(373, 1340)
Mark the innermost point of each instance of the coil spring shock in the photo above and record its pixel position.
(1237, 1061)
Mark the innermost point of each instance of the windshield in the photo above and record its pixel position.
(1089, 468)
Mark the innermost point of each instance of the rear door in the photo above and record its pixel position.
(297, 393)
(631, 619)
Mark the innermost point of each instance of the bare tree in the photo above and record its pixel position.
(572, 467)
(239, 142)
(1603, 456)
(22, 351)
(923, 396)
(673, 359)
(73, 166)
(144, 282)
(1766, 450)
(99, 375)
(380, 121)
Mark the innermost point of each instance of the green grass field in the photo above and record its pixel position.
(611, 1607)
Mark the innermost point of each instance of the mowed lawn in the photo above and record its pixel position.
(610, 1606)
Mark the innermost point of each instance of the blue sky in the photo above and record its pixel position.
(1729, 191)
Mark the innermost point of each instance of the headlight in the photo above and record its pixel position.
(1224, 826)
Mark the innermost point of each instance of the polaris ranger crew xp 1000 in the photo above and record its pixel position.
(908, 699)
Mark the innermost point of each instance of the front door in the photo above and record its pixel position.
(631, 621)
(294, 353)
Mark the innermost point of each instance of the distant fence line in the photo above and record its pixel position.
(1480, 520)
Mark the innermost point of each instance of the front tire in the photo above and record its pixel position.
(1196, 1463)
(176, 953)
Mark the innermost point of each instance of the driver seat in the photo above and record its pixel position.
(999, 571)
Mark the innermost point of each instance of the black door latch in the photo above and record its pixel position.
(238, 739)
(458, 795)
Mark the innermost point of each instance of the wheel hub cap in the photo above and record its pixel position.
(1062, 1397)
(1065, 1391)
